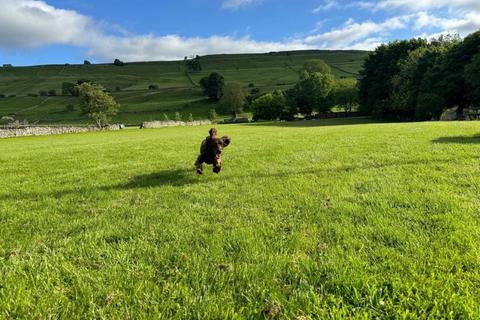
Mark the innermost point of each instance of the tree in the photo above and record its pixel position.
(193, 64)
(270, 106)
(316, 65)
(213, 86)
(118, 62)
(375, 84)
(212, 115)
(86, 62)
(346, 94)
(406, 84)
(233, 98)
(190, 117)
(165, 117)
(472, 81)
(97, 103)
(312, 91)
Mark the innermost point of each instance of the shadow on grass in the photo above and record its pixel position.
(459, 139)
(183, 177)
(176, 177)
(319, 123)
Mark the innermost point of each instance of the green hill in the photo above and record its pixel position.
(176, 90)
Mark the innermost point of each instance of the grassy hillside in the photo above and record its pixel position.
(176, 91)
(336, 219)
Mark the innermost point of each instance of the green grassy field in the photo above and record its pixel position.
(176, 92)
(330, 219)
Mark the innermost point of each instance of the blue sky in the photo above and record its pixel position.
(54, 31)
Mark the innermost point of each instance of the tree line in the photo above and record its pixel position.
(316, 91)
(418, 79)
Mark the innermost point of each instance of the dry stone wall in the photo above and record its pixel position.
(162, 124)
(10, 132)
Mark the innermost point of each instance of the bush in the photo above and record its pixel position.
(12, 95)
(165, 117)
(6, 120)
(52, 93)
(43, 93)
(270, 106)
(251, 85)
(212, 115)
(178, 116)
(70, 108)
(153, 87)
(255, 91)
(2, 96)
(32, 95)
(118, 89)
(190, 117)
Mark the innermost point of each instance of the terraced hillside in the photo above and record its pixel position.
(177, 90)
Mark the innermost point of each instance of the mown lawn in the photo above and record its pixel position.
(330, 219)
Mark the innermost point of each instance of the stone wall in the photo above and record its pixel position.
(10, 132)
(162, 124)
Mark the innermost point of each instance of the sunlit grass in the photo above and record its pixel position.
(331, 219)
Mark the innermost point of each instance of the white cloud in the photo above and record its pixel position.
(33, 23)
(415, 5)
(354, 34)
(235, 4)
(170, 47)
(26, 23)
(327, 5)
(446, 16)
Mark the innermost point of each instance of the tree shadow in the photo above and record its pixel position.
(320, 123)
(459, 139)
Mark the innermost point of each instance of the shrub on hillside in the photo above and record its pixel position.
(52, 93)
(118, 63)
(213, 86)
(153, 87)
(68, 88)
(2, 95)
